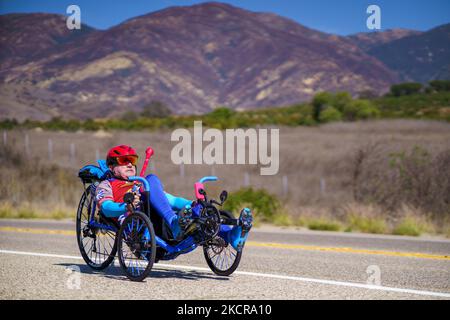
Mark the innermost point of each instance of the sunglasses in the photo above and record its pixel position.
(124, 160)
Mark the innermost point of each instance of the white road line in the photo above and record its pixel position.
(262, 275)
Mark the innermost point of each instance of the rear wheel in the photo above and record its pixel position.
(220, 256)
(97, 246)
(137, 246)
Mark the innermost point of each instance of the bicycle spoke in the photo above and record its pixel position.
(221, 255)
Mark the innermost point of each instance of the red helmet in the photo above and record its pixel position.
(118, 153)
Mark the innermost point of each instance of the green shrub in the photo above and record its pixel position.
(366, 224)
(324, 225)
(320, 101)
(330, 114)
(361, 109)
(59, 214)
(408, 88)
(341, 100)
(368, 111)
(264, 205)
(6, 210)
(8, 124)
(412, 226)
(407, 227)
(440, 85)
(26, 213)
(282, 220)
(221, 118)
(90, 125)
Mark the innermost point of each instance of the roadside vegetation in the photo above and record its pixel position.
(373, 219)
(32, 189)
(407, 100)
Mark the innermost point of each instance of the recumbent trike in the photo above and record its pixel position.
(143, 238)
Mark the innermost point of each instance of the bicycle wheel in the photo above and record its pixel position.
(137, 246)
(220, 256)
(97, 246)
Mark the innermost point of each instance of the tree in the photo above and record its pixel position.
(320, 101)
(9, 123)
(91, 125)
(361, 109)
(330, 114)
(341, 99)
(156, 109)
(221, 118)
(407, 88)
(368, 111)
(440, 85)
(222, 113)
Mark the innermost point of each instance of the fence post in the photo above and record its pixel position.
(323, 186)
(182, 170)
(27, 145)
(246, 179)
(50, 149)
(5, 137)
(72, 153)
(285, 186)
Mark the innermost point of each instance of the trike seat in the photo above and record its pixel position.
(92, 173)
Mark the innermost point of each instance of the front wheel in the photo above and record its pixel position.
(136, 246)
(220, 256)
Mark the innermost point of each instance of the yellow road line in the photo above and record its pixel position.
(267, 245)
(348, 250)
(38, 231)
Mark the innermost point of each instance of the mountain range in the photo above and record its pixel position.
(196, 58)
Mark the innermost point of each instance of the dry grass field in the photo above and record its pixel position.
(378, 176)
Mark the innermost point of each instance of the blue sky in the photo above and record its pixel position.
(333, 16)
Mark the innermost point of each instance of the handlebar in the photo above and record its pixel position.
(199, 185)
(144, 181)
(208, 178)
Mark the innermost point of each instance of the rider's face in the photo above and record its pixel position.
(124, 171)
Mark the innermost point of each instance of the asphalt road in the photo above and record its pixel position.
(37, 258)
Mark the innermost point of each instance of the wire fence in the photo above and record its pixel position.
(75, 154)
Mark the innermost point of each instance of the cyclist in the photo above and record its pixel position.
(122, 161)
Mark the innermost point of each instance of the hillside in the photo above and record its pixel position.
(191, 58)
